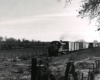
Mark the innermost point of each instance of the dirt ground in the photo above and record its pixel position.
(13, 68)
(83, 60)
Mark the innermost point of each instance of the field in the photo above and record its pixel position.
(16, 64)
(83, 60)
(24, 51)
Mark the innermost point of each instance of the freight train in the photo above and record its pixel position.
(63, 47)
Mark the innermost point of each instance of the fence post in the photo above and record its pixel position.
(88, 77)
(93, 67)
(34, 69)
(89, 74)
(89, 70)
(82, 76)
(96, 63)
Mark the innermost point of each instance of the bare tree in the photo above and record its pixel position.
(91, 9)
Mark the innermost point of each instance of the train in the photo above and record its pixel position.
(57, 48)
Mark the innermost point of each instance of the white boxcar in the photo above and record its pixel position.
(94, 44)
(84, 45)
(69, 45)
(72, 46)
(76, 46)
(87, 45)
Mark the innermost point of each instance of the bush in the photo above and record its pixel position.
(24, 57)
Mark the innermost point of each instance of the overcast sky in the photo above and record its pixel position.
(44, 20)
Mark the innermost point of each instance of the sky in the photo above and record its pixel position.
(45, 20)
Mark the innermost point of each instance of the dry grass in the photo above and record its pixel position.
(84, 65)
(61, 61)
(9, 68)
(85, 54)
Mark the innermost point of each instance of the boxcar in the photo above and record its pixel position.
(91, 45)
(76, 46)
(84, 45)
(69, 45)
(87, 45)
(80, 45)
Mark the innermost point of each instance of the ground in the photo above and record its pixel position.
(16, 64)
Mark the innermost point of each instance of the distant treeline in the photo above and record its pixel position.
(12, 43)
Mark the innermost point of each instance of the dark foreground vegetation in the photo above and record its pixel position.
(16, 64)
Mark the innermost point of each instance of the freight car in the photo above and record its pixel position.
(69, 46)
(87, 45)
(76, 46)
(91, 45)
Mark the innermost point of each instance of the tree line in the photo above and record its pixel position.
(12, 43)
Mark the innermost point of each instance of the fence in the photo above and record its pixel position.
(49, 76)
(92, 71)
(20, 54)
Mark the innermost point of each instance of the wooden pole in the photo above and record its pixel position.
(34, 69)
(82, 76)
(88, 77)
(93, 67)
(89, 74)
(96, 63)
(89, 70)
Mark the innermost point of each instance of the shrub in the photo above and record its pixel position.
(24, 57)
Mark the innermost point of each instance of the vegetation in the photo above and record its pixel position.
(91, 9)
(12, 43)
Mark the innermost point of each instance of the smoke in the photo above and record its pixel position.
(71, 37)
(63, 37)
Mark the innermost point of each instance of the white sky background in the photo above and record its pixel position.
(44, 20)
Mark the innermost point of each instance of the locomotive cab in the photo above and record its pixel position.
(63, 48)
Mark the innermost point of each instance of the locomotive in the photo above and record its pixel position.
(63, 47)
(59, 47)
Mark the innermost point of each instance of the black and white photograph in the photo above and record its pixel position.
(49, 39)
